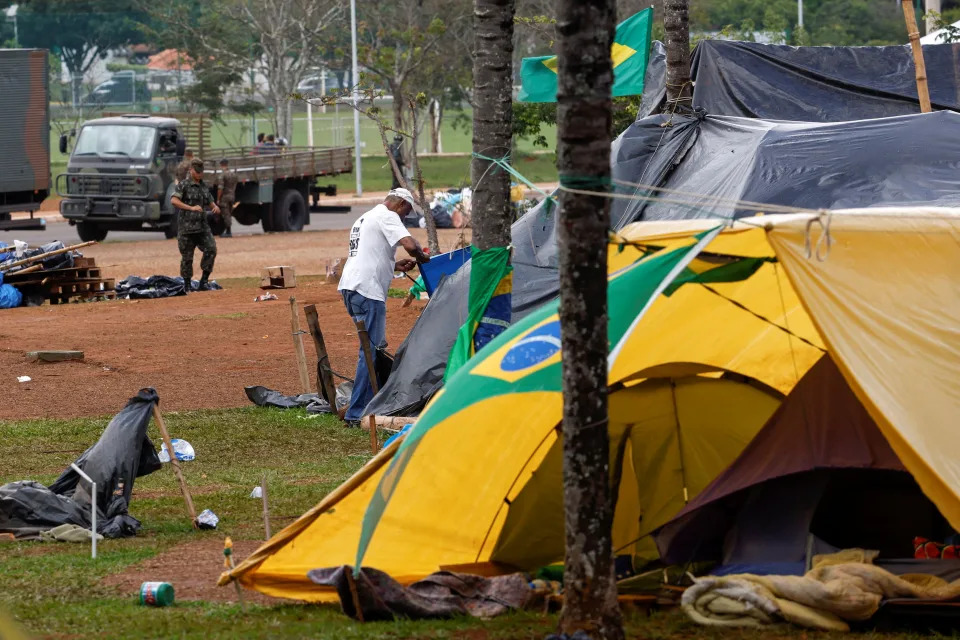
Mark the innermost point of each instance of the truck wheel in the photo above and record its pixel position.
(91, 231)
(289, 211)
(170, 231)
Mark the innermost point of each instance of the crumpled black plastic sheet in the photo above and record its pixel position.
(122, 454)
(137, 288)
(264, 397)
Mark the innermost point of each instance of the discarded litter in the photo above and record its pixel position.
(181, 448)
(207, 519)
(257, 492)
(264, 297)
(156, 594)
(23, 378)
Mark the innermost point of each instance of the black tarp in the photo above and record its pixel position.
(136, 288)
(810, 84)
(122, 454)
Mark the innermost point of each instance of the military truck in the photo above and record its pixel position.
(24, 135)
(122, 172)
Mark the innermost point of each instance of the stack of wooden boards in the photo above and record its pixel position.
(80, 283)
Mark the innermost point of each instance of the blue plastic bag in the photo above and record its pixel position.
(10, 296)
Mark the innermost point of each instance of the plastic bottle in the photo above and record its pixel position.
(156, 594)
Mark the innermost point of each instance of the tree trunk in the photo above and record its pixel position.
(492, 121)
(584, 124)
(432, 240)
(676, 27)
(436, 121)
(398, 107)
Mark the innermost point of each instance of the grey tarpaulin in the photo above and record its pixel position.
(123, 453)
(811, 84)
(263, 397)
(899, 160)
(422, 358)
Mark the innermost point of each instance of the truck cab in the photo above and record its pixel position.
(120, 176)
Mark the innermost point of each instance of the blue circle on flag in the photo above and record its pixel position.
(537, 346)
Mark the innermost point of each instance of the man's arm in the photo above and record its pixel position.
(412, 247)
(180, 204)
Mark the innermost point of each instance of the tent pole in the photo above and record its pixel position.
(913, 33)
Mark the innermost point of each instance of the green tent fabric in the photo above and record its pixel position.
(630, 52)
(490, 273)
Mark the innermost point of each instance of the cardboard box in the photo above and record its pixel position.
(278, 278)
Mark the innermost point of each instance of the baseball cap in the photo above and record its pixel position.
(407, 197)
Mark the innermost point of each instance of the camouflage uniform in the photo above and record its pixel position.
(228, 190)
(193, 230)
(183, 169)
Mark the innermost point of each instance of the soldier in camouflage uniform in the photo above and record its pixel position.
(193, 230)
(184, 167)
(226, 195)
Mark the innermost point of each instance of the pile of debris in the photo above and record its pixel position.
(53, 272)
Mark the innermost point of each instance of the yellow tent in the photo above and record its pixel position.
(476, 484)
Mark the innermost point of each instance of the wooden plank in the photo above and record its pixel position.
(53, 356)
(43, 256)
(324, 372)
(176, 466)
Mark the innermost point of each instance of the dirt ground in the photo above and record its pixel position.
(198, 351)
(193, 568)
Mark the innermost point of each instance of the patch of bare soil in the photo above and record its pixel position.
(193, 569)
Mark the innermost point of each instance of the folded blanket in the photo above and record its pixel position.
(825, 598)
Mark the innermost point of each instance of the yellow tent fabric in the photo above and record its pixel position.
(874, 288)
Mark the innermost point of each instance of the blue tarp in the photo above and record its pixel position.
(442, 265)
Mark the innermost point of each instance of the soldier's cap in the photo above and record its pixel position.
(224, 162)
(197, 165)
(188, 151)
(407, 197)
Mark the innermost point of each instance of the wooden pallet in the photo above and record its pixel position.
(40, 277)
(87, 296)
(81, 286)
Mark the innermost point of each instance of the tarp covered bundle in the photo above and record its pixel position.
(123, 453)
(723, 167)
(136, 288)
(811, 84)
(694, 376)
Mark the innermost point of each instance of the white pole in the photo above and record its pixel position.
(323, 88)
(356, 96)
(309, 124)
(93, 509)
(799, 13)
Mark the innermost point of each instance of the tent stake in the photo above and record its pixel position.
(266, 508)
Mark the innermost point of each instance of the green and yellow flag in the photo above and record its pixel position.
(630, 52)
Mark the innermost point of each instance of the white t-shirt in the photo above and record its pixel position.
(372, 255)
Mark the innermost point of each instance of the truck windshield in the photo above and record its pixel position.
(116, 140)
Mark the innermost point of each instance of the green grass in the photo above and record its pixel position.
(55, 590)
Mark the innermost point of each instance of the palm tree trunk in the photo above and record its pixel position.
(584, 121)
(492, 121)
(676, 27)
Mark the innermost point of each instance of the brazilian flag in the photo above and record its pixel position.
(489, 306)
(630, 52)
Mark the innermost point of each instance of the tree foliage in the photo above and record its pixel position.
(78, 31)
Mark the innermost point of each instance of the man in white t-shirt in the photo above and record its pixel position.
(371, 263)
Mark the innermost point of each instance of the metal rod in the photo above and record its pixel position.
(93, 509)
